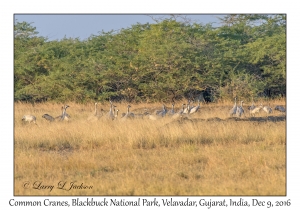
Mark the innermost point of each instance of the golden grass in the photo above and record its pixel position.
(145, 157)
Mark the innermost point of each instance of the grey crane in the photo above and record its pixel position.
(179, 113)
(280, 108)
(64, 115)
(255, 110)
(110, 114)
(48, 117)
(29, 118)
(267, 109)
(195, 108)
(128, 115)
(240, 110)
(163, 112)
(187, 109)
(60, 116)
(96, 115)
(234, 108)
(171, 112)
(252, 106)
(157, 114)
(116, 111)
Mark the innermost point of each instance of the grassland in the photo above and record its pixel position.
(145, 157)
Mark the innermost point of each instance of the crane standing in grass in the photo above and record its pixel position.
(96, 115)
(128, 115)
(267, 109)
(240, 110)
(163, 112)
(116, 111)
(110, 114)
(171, 112)
(187, 109)
(64, 115)
(58, 118)
(158, 114)
(234, 108)
(195, 108)
(179, 113)
(252, 106)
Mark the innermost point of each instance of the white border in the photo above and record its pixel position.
(220, 6)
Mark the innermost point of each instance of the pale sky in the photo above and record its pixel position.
(56, 26)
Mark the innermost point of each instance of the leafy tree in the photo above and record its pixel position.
(165, 61)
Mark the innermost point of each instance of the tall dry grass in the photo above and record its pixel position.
(145, 157)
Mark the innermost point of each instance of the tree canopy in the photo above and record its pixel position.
(169, 60)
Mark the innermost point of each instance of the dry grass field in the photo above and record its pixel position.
(209, 154)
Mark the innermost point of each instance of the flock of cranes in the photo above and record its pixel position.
(185, 111)
(239, 110)
(112, 114)
(63, 117)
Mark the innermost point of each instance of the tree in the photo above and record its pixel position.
(166, 61)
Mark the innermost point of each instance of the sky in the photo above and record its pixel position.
(57, 26)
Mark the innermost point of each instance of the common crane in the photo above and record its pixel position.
(280, 108)
(116, 113)
(96, 115)
(234, 108)
(48, 117)
(240, 110)
(187, 109)
(195, 108)
(252, 106)
(255, 110)
(110, 114)
(60, 116)
(128, 115)
(267, 109)
(179, 113)
(64, 115)
(158, 114)
(163, 112)
(171, 112)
